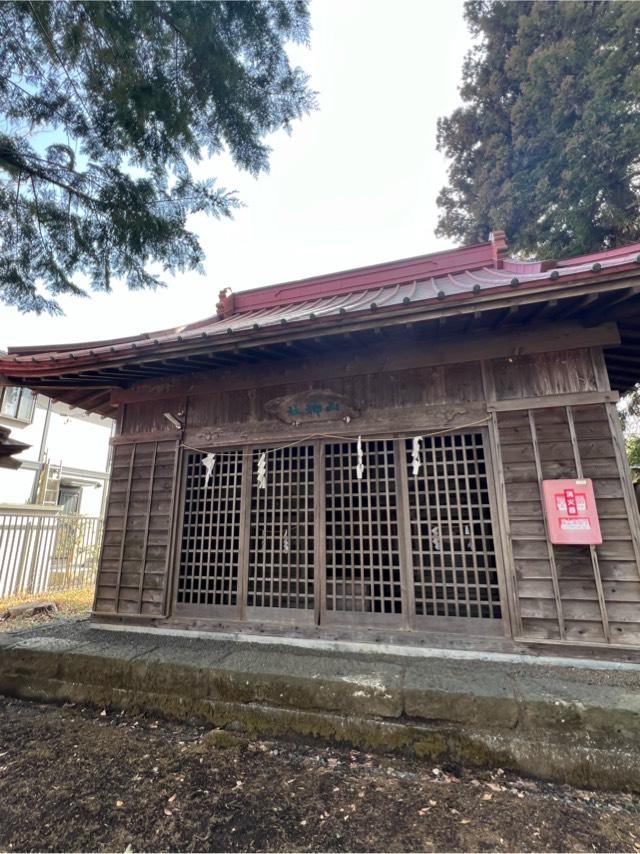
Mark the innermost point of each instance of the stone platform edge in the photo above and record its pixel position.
(569, 723)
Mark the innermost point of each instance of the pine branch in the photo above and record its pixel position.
(56, 55)
(160, 91)
(10, 164)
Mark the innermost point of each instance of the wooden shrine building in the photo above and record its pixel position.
(366, 455)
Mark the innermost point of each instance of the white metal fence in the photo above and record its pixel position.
(47, 552)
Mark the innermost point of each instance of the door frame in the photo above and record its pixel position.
(319, 616)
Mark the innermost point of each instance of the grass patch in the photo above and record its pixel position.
(70, 603)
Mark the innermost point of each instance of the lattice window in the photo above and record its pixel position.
(362, 548)
(209, 556)
(453, 550)
(447, 526)
(281, 539)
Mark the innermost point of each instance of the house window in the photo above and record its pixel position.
(18, 403)
(69, 498)
(408, 542)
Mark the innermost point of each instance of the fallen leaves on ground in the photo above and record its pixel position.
(78, 779)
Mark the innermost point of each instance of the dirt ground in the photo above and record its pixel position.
(73, 603)
(75, 779)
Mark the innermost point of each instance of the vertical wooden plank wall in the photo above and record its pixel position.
(568, 593)
(553, 594)
(134, 565)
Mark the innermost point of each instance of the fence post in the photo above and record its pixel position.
(35, 555)
(41, 552)
(25, 529)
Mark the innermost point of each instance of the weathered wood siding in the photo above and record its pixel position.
(541, 374)
(134, 567)
(552, 593)
(562, 601)
(147, 416)
(445, 392)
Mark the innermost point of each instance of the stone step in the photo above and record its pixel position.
(575, 722)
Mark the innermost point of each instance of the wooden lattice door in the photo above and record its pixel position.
(280, 568)
(455, 581)
(363, 582)
(388, 533)
(208, 578)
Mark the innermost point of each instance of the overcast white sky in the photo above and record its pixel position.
(354, 184)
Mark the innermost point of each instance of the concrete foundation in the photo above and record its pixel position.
(572, 721)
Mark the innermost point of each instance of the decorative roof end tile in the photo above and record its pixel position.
(498, 248)
(226, 303)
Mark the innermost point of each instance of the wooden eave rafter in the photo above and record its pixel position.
(65, 375)
(154, 351)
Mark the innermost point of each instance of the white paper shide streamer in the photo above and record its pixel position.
(360, 459)
(467, 533)
(209, 462)
(415, 455)
(262, 471)
(436, 538)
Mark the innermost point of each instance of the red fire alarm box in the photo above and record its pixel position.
(572, 516)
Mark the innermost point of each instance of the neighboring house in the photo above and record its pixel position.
(400, 452)
(66, 461)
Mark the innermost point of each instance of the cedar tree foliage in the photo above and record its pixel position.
(104, 109)
(547, 143)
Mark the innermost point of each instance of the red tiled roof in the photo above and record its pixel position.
(407, 270)
(470, 273)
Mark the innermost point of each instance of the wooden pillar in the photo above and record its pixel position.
(511, 620)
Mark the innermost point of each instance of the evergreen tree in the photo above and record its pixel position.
(547, 143)
(105, 106)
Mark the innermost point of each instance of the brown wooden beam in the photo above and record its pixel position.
(506, 315)
(405, 354)
(272, 353)
(59, 385)
(151, 369)
(579, 398)
(620, 370)
(471, 321)
(210, 361)
(614, 356)
(297, 350)
(243, 355)
(94, 400)
(541, 310)
(572, 307)
(628, 346)
(158, 352)
(602, 310)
